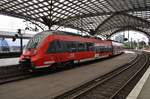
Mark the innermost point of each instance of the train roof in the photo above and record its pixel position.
(80, 39)
(52, 32)
(73, 37)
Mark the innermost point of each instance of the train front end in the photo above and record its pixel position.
(32, 54)
(26, 58)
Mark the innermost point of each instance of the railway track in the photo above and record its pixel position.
(13, 73)
(114, 85)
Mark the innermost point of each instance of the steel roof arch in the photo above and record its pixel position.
(78, 14)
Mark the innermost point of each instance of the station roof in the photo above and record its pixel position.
(94, 16)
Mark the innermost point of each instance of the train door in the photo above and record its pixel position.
(97, 50)
(81, 51)
(71, 47)
(90, 50)
(84, 54)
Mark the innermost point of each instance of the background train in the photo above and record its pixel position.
(50, 48)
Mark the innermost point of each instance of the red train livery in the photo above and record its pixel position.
(48, 48)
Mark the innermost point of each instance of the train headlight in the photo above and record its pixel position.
(35, 52)
(24, 51)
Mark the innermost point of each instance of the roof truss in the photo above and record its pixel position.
(101, 16)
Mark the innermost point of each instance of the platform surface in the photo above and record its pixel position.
(145, 92)
(45, 87)
(9, 61)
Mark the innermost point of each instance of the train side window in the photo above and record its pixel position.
(74, 47)
(71, 46)
(51, 47)
(109, 48)
(102, 48)
(90, 46)
(81, 47)
(105, 48)
(56, 46)
(68, 46)
(98, 49)
(64, 46)
(59, 46)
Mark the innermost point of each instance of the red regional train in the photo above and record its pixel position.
(48, 48)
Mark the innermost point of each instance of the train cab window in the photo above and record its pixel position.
(35, 41)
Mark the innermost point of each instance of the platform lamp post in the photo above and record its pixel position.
(21, 40)
(19, 35)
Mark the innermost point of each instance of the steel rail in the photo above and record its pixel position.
(142, 67)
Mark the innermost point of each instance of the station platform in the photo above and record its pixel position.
(145, 92)
(142, 88)
(9, 61)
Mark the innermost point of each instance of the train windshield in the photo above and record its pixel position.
(35, 41)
